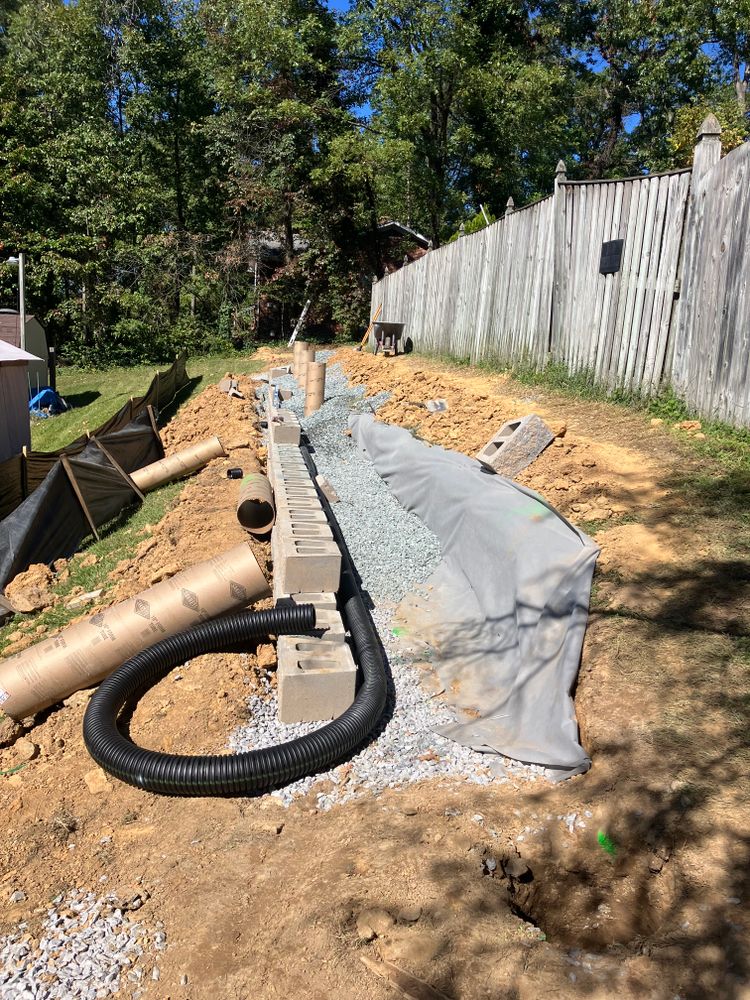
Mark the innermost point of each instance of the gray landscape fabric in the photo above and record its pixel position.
(508, 604)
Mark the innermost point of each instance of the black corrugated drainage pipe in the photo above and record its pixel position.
(258, 770)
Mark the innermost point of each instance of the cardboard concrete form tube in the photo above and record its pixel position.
(182, 463)
(255, 510)
(315, 386)
(306, 357)
(299, 347)
(83, 654)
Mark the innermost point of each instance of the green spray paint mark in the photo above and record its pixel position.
(398, 632)
(13, 770)
(606, 843)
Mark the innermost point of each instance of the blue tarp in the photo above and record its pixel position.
(47, 399)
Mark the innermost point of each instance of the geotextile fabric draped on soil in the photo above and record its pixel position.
(78, 492)
(508, 606)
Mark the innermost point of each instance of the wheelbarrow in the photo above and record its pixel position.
(387, 337)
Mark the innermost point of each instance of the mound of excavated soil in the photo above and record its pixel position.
(456, 886)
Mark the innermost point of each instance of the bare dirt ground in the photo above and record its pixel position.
(498, 892)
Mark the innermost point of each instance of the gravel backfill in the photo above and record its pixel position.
(87, 948)
(393, 552)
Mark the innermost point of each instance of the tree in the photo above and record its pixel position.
(688, 119)
(730, 31)
(475, 89)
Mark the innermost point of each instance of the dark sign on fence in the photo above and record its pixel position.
(611, 257)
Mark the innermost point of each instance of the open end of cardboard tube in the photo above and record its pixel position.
(255, 510)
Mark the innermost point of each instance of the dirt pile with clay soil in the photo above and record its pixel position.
(618, 882)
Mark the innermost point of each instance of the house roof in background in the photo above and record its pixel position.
(394, 228)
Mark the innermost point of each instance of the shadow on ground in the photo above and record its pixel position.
(77, 400)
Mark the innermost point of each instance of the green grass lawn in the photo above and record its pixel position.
(95, 395)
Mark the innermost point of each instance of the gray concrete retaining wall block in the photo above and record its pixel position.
(316, 680)
(284, 432)
(516, 445)
(325, 601)
(304, 515)
(306, 565)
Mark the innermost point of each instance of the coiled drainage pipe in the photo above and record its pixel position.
(257, 770)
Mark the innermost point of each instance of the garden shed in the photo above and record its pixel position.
(15, 430)
(36, 343)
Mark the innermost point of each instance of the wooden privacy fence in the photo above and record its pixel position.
(712, 341)
(674, 309)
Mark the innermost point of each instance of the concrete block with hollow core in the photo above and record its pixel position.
(516, 445)
(307, 514)
(306, 565)
(292, 528)
(316, 680)
(329, 625)
(286, 508)
(283, 426)
(285, 531)
(295, 476)
(323, 602)
(286, 498)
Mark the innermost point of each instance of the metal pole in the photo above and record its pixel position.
(22, 300)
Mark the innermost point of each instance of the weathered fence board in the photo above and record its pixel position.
(614, 324)
(712, 344)
(483, 296)
(528, 287)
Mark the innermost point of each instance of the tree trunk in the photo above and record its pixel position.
(740, 84)
(288, 227)
(377, 249)
(179, 204)
(602, 160)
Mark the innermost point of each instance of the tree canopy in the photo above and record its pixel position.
(185, 173)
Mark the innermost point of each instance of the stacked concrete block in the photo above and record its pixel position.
(283, 426)
(317, 679)
(305, 555)
(317, 676)
(329, 625)
(306, 564)
(285, 464)
(516, 445)
(316, 673)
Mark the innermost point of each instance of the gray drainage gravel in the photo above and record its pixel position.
(87, 948)
(393, 553)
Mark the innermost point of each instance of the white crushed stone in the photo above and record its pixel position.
(87, 948)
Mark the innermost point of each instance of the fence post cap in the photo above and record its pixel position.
(709, 126)
(561, 168)
(509, 205)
